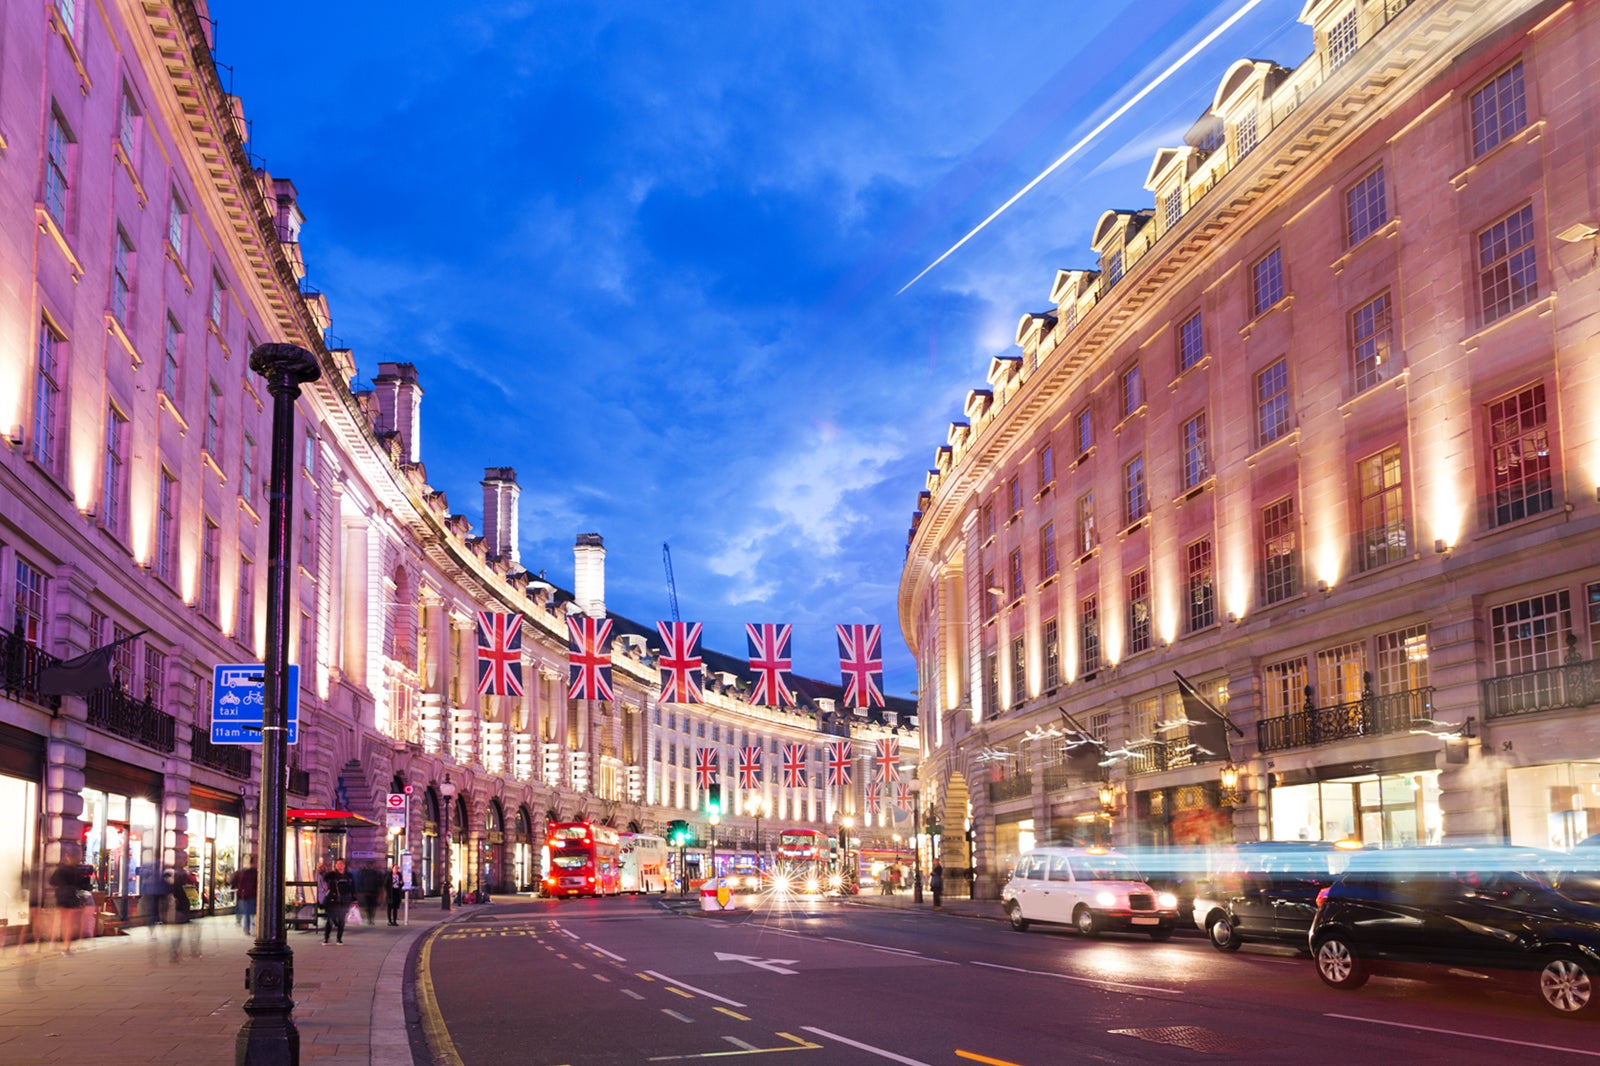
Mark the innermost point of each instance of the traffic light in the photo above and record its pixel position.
(678, 832)
(714, 800)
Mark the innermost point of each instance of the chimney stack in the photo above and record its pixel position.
(400, 407)
(500, 493)
(589, 574)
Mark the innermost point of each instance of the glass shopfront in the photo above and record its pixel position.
(19, 808)
(522, 854)
(1391, 808)
(122, 846)
(213, 858)
(1553, 806)
(1183, 815)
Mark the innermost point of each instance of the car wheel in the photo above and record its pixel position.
(1338, 965)
(1569, 985)
(1086, 922)
(1014, 916)
(1161, 932)
(1222, 933)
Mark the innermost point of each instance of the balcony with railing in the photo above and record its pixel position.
(1162, 753)
(299, 781)
(1370, 716)
(20, 666)
(231, 759)
(1014, 785)
(1574, 683)
(117, 711)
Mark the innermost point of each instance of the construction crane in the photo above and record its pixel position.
(672, 586)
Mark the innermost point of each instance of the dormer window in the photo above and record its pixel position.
(1172, 207)
(1113, 267)
(1342, 40)
(1245, 134)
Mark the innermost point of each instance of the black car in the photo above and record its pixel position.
(1265, 891)
(1486, 912)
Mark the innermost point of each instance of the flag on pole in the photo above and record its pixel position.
(589, 658)
(680, 662)
(705, 767)
(794, 766)
(861, 665)
(839, 763)
(874, 797)
(750, 767)
(902, 796)
(499, 654)
(770, 662)
(888, 760)
(81, 674)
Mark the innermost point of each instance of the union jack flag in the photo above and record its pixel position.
(861, 664)
(680, 662)
(794, 766)
(705, 767)
(770, 662)
(839, 763)
(589, 658)
(750, 767)
(888, 760)
(499, 654)
(902, 797)
(874, 798)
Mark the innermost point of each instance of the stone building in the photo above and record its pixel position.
(143, 257)
(1317, 430)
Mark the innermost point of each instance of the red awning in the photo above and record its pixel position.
(322, 819)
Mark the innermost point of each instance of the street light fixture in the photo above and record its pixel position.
(447, 789)
(715, 820)
(757, 805)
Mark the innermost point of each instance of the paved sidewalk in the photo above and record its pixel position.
(125, 1000)
(961, 908)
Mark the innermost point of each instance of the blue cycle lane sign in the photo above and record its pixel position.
(238, 706)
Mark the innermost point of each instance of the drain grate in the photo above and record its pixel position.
(1198, 1038)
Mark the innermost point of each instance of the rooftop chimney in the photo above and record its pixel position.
(589, 574)
(400, 407)
(500, 492)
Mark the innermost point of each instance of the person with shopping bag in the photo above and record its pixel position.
(340, 901)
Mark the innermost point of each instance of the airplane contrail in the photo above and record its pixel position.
(1176, 66)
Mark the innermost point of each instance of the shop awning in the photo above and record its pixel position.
(325, 819)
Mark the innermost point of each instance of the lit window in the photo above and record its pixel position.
(1285, 686)
(113, 485)
(1195, 465)
(1279, 552)
(1342, 40)
(1266, 281)
(166, 560)
(1508, 269)
(1052, 654)
(991, 595)
(1403, 660)
(1132, 391)
(1085, 539)
(1139, 611)
(1089, 633)
(1201, 587)
(1135, 501)
(1371, 339)
(1530, 634)
(1366, 207)
(1191, 342)
(58, 145)
(1382, 504)
(47, 394)
(1499, 110)
(1272, 402)
(1519, 451)
(1019, 670)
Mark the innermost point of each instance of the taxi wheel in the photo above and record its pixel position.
(1338, 965)
(1223, 936)
(1085, 922)
(1570, 985)
(1014, 916)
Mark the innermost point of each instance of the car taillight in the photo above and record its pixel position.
(1322, 897)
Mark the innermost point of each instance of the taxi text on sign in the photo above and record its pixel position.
(238, 707)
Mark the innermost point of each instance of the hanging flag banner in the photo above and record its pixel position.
(902, 796)
(750, 767)
(499, 654)
(705, 767)
(874, 798)
(770, 662)
(589, 658)
(681, 665)
(861, 665)
(794, 766)
(839, 763)
(888, 760)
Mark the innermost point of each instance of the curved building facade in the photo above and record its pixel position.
(1317, 433)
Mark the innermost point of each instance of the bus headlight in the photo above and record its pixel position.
(811, 884)
(780, 883)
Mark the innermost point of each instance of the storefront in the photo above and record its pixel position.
(214, 846)
(1183, 815)
(494, 849)
(121, 832)
(1383, 803)
(1556, 805)
(523, 854)
(1011, 840)
(430, 843)
(21, 764)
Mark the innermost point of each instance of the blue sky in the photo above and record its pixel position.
(649, 255)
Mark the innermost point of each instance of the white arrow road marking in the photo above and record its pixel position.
(775, 965)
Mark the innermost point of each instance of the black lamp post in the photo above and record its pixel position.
(269, 1036)
(448, 790)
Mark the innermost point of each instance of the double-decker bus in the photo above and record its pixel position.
(644, 863)
(808, 862)
(584, 860)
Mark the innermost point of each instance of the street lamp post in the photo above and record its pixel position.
(846, 879)
(916, 841)
(715, 821)
(758, 807)
(448, 790)
(269, 1034)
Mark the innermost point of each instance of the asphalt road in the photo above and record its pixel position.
(627, 981)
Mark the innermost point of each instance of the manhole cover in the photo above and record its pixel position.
(1198, 1038)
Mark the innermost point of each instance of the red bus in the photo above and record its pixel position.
(808, 862)
(582, 859)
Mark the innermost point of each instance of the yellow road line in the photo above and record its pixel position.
(730, 1013)
(675, 990)
(975, 1057)
(433, 1027)
(800, 1040)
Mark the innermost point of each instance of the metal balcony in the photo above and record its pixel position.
(1371, 715)
(1572, 684)
(141, 721)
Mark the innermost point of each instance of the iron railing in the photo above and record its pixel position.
(1012, 786)
(1370, 716)
(20, 666)
(116, 711)
(299, 781)
(1572, 684)
(233, 759)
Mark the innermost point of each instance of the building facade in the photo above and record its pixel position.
(144, 257)
(1318, 432)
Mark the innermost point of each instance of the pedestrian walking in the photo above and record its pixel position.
(244, 887)
(936, 882)
(369, 885)
(183, 915)
(153, 892)
(340, 897)
(396, 890)
(70, 885)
